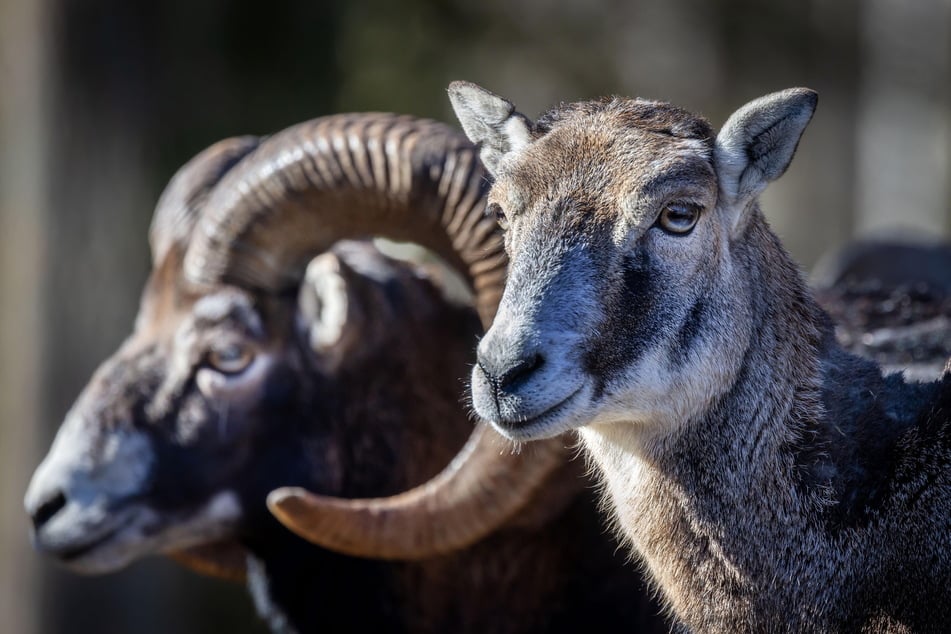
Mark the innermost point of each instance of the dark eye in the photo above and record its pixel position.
(678, 218)
(231, 358)
(494, 209)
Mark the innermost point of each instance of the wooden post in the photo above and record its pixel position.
(23, 219)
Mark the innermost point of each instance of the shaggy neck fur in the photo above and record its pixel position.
(785, 506)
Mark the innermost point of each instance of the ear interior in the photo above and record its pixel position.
(758, 142)
(328, 309)
(490, 121)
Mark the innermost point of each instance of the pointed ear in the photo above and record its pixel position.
(490, 121)
(329, 311)
(757, 143)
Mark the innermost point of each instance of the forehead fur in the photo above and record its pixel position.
(606, 154)
(650, 116)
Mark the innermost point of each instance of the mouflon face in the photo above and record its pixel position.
(211, 403)
(625, 224)
(148, 458)
(221, 395)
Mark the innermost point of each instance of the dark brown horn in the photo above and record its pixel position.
(178, 206)
(349, 176)
(360, 175)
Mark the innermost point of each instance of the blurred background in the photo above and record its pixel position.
(102, 100)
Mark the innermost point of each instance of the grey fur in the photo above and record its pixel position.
(768, 480)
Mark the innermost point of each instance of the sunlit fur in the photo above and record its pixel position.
(768, 480)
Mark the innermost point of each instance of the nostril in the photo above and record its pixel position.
(520, 371)
(48, 509)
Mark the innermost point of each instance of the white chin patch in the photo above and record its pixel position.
(571, 413)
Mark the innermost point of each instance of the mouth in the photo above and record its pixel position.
(546, 424)
(75, 552)
(71, 553)
(89, 546)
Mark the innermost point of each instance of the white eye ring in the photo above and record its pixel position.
(231, 358)
(678, 218)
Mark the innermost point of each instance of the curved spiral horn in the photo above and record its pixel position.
(361, 175)
(483, 486)
(178, 207)
(349, 176)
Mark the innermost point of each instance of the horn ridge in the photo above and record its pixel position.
(309, 169)
(363, 175)
(178, 206)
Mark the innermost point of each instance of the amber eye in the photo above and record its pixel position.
(679, 218)
(231, 358)
(494, 209)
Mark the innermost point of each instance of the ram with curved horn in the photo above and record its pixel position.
(261, 360)
(309, 188)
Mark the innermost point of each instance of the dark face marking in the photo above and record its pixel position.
(689, 332)
(630, 318)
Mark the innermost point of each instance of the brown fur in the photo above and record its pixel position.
(759, 471)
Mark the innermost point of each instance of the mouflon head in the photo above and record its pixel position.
(626, 223)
